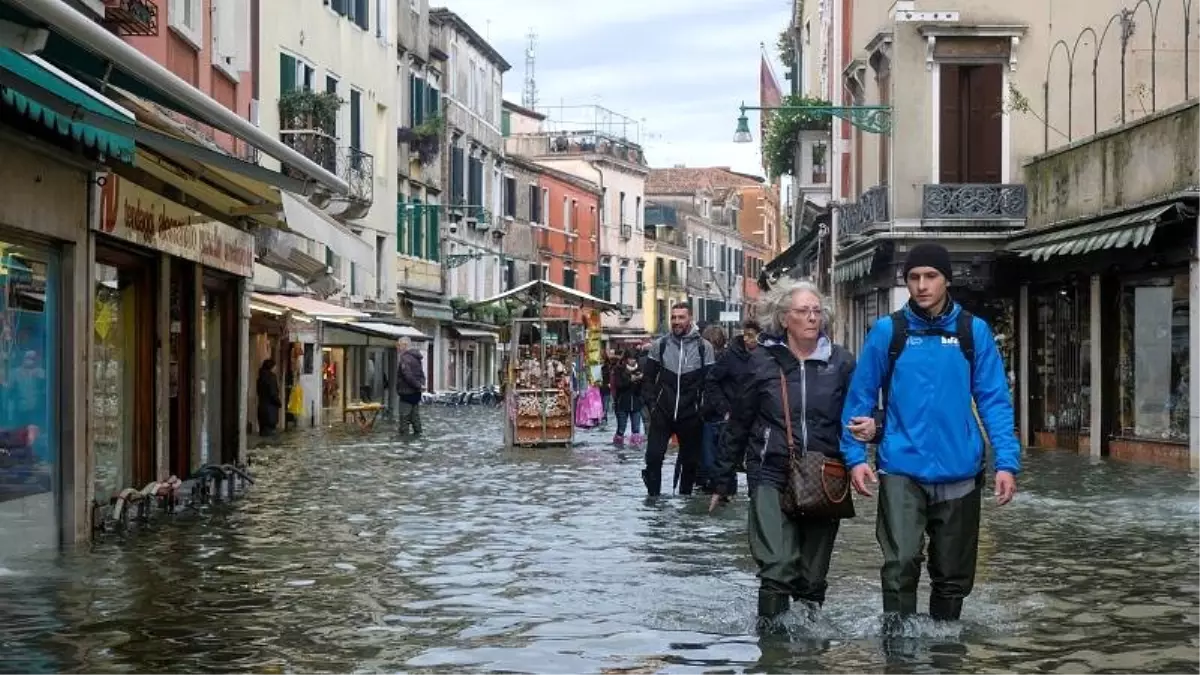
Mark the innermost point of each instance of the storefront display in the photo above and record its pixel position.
(1153, 372)
(29, 280)
(542, 395)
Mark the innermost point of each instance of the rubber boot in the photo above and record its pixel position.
(771, 608)
(652, 478)
(618, 440)
(942, 608)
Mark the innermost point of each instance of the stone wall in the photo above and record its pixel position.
(1140, 161)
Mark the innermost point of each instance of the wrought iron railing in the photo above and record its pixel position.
(974, 201)
(352, 165)
(870, 209)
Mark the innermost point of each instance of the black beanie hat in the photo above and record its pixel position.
(929, 255)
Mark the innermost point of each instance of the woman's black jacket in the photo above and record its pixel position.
(816, 390)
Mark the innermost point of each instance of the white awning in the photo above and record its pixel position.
(309, 307)
(543, 289)
(475, 334)
(391, 330)
(306, 219)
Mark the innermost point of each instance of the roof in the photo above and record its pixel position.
(572, 179)
(446, 16)
(687, 180)
(527, 112)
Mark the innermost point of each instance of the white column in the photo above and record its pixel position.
(1194, 357)
(162, 367)
(1096, 373)
(1025, 352)
(243, 379)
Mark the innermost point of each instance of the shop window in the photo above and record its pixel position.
(28, 395)
(1061, 379)
(1153, 358)
(113, 383)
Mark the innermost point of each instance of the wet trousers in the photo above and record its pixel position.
(410, 415)
(792, 554)
(708, 458)
(691, 437)
(631, 417)
(907, 516)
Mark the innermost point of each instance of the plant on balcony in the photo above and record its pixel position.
(426, 138)
(783, 132)
(304, 109)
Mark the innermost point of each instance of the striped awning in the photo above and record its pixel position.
(854, 266)
(1129, 230)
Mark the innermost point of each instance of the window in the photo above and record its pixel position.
(621, 285)
(353, 279)
(637, 211)
(184, 17)
(358, 12)
(605, 282)
(294, 73)
(457, 162)
(433, 242)
(510, 274)
(569, 278)
(1153, 361)
(969, 143)
(356, 119)
(621, 209)
(417, 104)
(637, 296)
(545, 206)
(382, 21)
(535, 205)
(416, 245)
(380, 269)
(535, 271)
(566, 215)
(510, 197)
(226, 54)
(402, 225)
(331, 87)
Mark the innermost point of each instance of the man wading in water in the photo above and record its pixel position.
(674, 385)
(930, 360)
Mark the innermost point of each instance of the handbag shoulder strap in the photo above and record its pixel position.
(787, 411)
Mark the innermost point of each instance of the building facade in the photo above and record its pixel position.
(667, 256)
(759, 227)
(567, 235)
(601, 154)
(473, 237)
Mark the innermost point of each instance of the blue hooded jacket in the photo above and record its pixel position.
(930, 433)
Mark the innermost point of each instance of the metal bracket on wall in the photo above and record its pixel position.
(459, 259)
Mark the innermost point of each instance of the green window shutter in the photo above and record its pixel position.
(401, 226)
(639, 289)
(353, 278)
(418, 221)
(435, 102)
(435, 233)
(506, 123)
(287, 73)
(413, 115)
(419, 233)
(418, 102)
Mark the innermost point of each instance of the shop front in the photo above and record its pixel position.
(472, 361)
(1105, 309)
(169, 357)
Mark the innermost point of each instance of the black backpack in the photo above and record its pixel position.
(900, 332)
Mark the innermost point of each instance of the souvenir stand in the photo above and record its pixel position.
(539, 398)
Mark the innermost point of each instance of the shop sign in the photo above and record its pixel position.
(130, 212)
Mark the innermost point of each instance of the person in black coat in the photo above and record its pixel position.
(269, 401)
(721, 389)
(627, 399)
(791, 401)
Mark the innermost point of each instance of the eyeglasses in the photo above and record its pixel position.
(814, 312)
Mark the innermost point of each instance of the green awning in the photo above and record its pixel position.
(855, 266)
(1127, 230)
(42, 79)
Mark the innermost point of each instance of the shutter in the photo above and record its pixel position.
(435, 102)
(638, 296)
(418, 101)
(401, 226)
(413, 115)
(984, 131)
(433, 241)
(355, 120)
(339, 6)
(950, 134)
(363, 18)
(287, 73)
(506, 123)
(456, 175)
(418, 221)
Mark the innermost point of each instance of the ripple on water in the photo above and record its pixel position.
(447, 553)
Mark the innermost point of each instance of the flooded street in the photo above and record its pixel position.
(448, 554)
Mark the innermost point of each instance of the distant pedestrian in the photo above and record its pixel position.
(721, 391)
(932, 364)
(410, 383)
(673, 388)
(713, 420)
(269, 402)
(627, 402)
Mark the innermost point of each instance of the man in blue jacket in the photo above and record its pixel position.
(930, 360)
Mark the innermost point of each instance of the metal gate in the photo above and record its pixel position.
(1067, 380)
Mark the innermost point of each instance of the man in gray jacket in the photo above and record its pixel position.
(673, 390)
(410, 382)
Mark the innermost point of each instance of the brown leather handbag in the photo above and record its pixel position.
(818, 487)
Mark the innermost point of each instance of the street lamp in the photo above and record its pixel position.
(874, 119)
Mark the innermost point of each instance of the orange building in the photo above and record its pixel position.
(565, 236)
(758, 225)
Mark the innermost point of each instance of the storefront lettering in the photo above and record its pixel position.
(150, 220)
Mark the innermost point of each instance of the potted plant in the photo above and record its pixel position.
(426, 138)
(302, 109)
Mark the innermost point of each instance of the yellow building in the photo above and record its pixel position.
(665, 276)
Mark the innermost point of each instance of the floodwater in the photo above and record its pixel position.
(449, 554)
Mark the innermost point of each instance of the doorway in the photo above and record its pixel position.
(971, 110)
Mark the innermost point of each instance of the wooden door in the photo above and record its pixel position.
(971, 108)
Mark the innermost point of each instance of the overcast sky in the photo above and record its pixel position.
(683, 66)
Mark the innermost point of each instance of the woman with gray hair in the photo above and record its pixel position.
(792, 402)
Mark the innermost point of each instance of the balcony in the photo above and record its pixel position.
(671, 282)
(974, 202)
(567, 143)
(352, 165)
(870, 210)
(626, 231)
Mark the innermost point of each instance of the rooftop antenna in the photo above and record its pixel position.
(529, 98)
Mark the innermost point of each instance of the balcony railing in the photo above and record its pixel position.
(870, 209)
(974, 201)
(668, 281)
(352, 165)
(626, 231)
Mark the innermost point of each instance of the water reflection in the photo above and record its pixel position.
(450, 553)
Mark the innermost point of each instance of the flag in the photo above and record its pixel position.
(769, 96)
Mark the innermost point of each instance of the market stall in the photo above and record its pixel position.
(542, 365)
